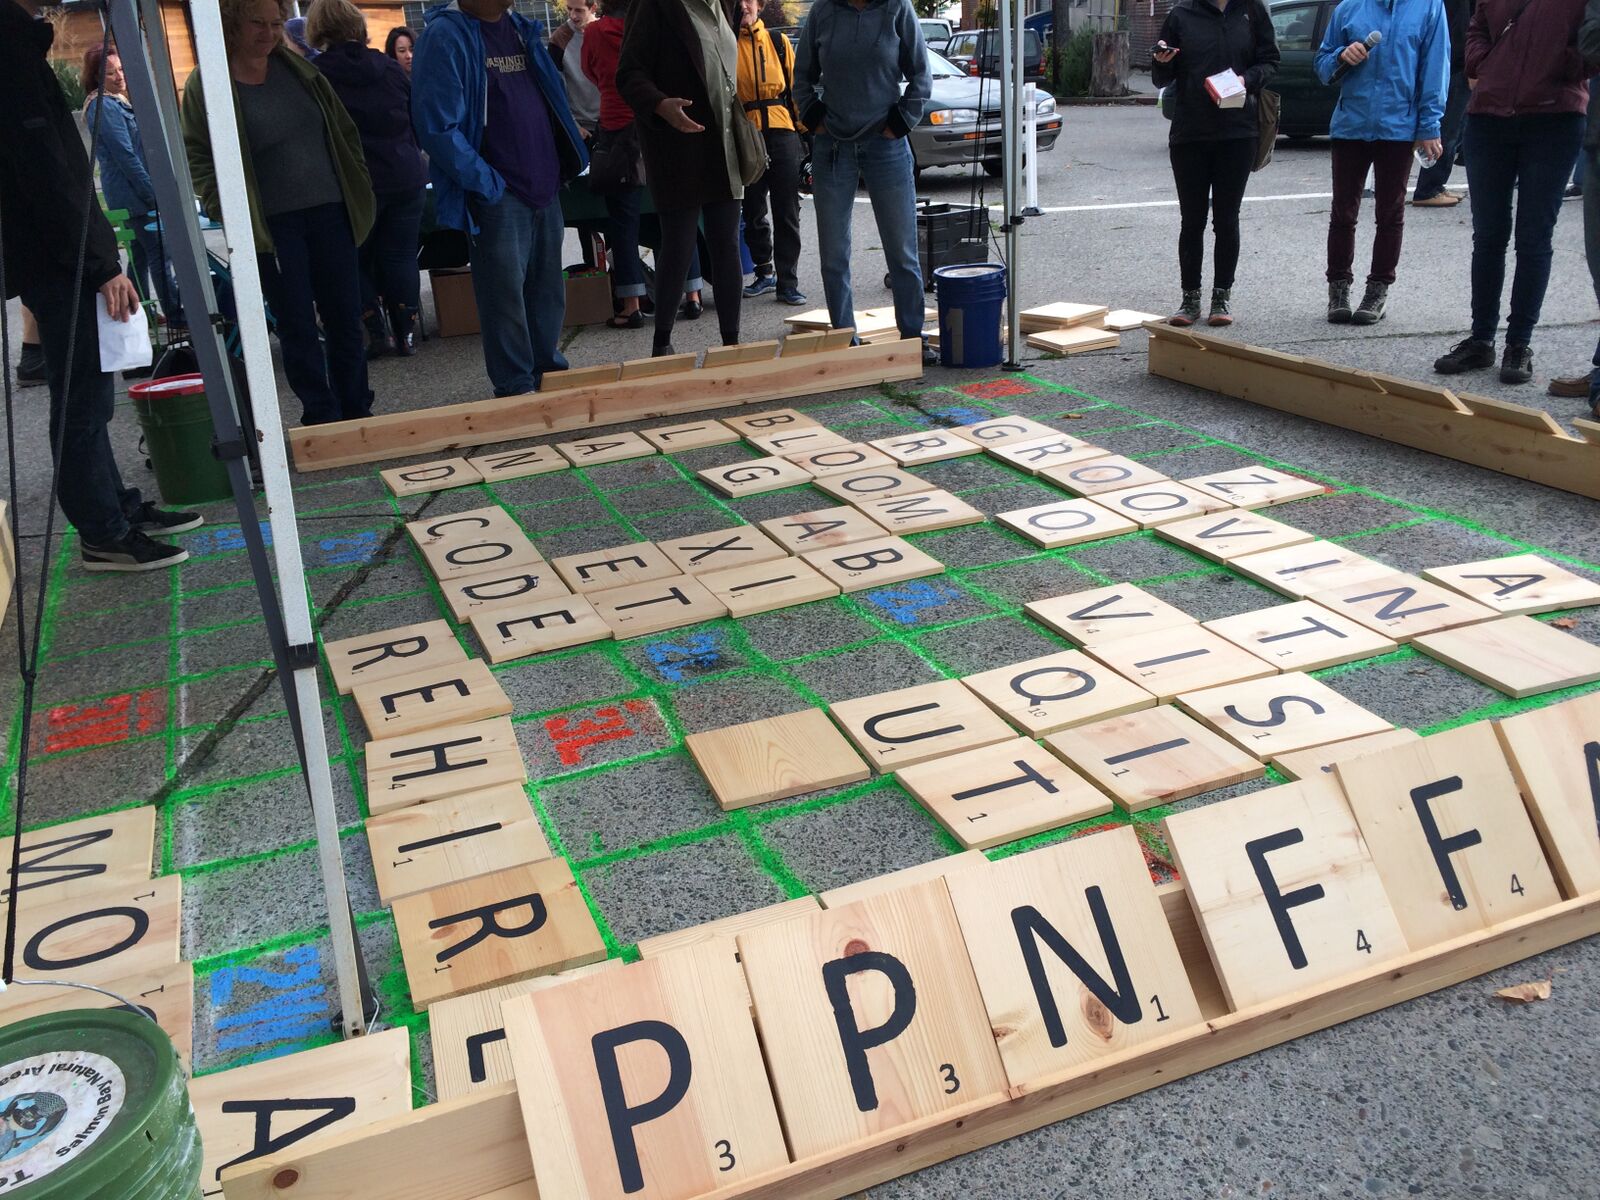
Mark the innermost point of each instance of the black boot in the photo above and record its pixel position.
(1373, 304)
(30, 367)
(378, 342)
(403, 321)
(1188, 311)
(1339, 312)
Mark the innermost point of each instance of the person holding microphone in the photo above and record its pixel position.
(1391, 61)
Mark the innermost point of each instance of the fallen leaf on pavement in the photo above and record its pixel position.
(1526, 993)
(1565, 622)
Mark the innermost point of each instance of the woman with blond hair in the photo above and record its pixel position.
(311, 204)
(376, 91)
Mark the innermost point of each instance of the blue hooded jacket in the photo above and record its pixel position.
(450, 103)
(124, 178)
(1398, 94)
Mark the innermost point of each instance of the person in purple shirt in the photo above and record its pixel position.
(491, 114)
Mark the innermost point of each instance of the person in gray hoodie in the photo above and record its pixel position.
(852, 59)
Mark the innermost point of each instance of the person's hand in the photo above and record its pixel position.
(671, 110)
(1165, 56)
(122, 301)
(889, 134)
(584, 133)
(1354, 54)
(1432, 148)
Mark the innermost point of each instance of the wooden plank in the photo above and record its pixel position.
(484, 422)
(1105, 613)
(1302, 636)
(1490, 409)
(1267, 717)
(1518, 584)
(690, 435)
(1553, 752)
(441, 762)
(1185, 658)
(796, 344)
(63, 863)
(877, 885)
(775, 758)
(649, 368)
(1432, 394)
(536, 626)
(618, 566)
(911, 725)
(837, 339)
(822, 529)
(736, 546)
(493, 590)
(1066, 523)
(727, 356)
(1057, 691)
(449, 695)
(1520, 656)
(103, 935)
(728, 927)
(1588, 430)
(165, 993)
(1402, 606)
(519, 463)
(1224, 536)
(578, 377)
(422, 478)
(374, 657)
(868, 564)
(763, 587)
(659, 605)
(1102, 473)
(1157, 504)
(444, 841)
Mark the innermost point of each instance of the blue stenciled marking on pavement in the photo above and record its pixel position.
(697, 654)
(348, 551)
(907, 602)
(952, 414)
(294, 1007)
(221, 540)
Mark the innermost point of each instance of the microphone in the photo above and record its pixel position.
(1345, 68)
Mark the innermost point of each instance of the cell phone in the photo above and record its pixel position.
(1161, 48)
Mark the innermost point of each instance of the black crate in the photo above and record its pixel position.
(948, 234)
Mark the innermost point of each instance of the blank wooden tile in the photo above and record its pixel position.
(822, 529)
(1153, 756)
(1555, 757)
(661, 604)
(1106, 613)
(754, 476)
(619, 566)
(1256, 487)
(1001, 793)
(1402, 606)
(1102, 473)
(727, 356)
(1282, 714)
(1518, 584)
(912, 725)
(1227, 535)
(735, 547)
(370, 657)
(1158, 504)
(775, 758)
(446, 695)
(1124, 319)
(1447, 827)
(1036, 457)
(1520, 656)
(536, 626)
(665, 364)
(728, 927)
(1285, 891)
(615, 447)
(1185, 658)
(1045, 694)
(165, 993)
(519, 463)
(817, 977)
(767, 421)
(1077, 340)
(66, 862)
(878, 885)
(96, 937)
(572, 1045)
(1004, 431)
(797, 440)
(763, 587)
(444, 841)
(468, 1033)
(873, 563)
(922, 512)
(496, 928)
(1063, 314)
(441, 762)
(469, 557)
(472, 525)
(847, 459)
(1302, 636)
(1318, 761)
(497, 590)
(926, 446)
(1065, 523)
(1050, 1011)
(691, 435)
(870, 484)
(429, 477)
(1298, 571)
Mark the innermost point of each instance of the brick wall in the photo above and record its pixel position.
(1144, 18)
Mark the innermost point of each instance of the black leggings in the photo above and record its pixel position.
(678, 229)
(1210, 175)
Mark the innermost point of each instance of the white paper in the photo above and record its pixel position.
(124, 345)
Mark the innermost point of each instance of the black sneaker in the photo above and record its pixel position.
(930, 356)
(1474, 354)
(135, 552)
(1517, 364)
(30, 366)
(150, 519)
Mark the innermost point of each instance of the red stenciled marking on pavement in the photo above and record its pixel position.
(1151, 845)
(996, 389)
(572, 736)
(105, 722)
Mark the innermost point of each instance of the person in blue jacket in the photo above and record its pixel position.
(491, 115)
(1391, 102)
(125, 180)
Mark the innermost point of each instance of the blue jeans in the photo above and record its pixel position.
(522, 297)
(1527, 158)
(389, 255)
(886, 165)
(622, 236)
(152, 270)
(1431, 180)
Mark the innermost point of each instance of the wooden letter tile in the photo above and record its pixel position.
(430, 477)
(763, 587)
(775, 758)
(371, 657)
(848, 459)
(1066, 523)
(493, 590)
(797, 440)
(1401, 606)
(535, 626)
(873, 563)
(1228, 535)
(1185, 658)
(735, 547)
(822, 529)
(662, 604)
(1158, 504)
(912, 725)
(473, 525)
(878, 885)
(1045, 694)
(1318, 761)
(1446, 825)
(1124, 319)
(869, 485)
(519, 463)
(1077, 340)
(447, 695)
(166, 993)
(1519, 655)
(1518, 584)
(1073, 954)
(66, 862)
(1298, 571)
(1105, 472)
(755, 475)
(592, 452)
(499, 553)
(1256, 487)
(1004, 431)
(671, 439)
(926, 446)
(1555, 757)
(1285, 891)
(445, 841)
(1302, 636)
(766, 422)
(1282, 714)
(508, 925)
(1107, 613)
(106, 934)
(1153, 756)
(644, 1081)
(1039, 456)
(870, 1017)
(617, 567)
(922, 512)
(1000, 793)
(728, 927)
(441, 762)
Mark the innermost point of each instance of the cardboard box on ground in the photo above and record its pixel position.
(588, 300)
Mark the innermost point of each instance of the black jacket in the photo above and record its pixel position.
(376, 91)
(46, 185)
(1210, 40)
(1457, 13)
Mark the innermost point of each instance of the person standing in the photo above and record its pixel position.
(766, 75)
(566, 49)
(399, 46)
(1431, 181)
(492, 117)
(1391, 102)
(311, 204)
(614, 153)
(1213, 149)
(60, 253)
(861, 82)
(1524, 127)
(376, 92)
(1588, 383)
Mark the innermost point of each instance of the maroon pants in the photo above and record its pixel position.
(1390, 163)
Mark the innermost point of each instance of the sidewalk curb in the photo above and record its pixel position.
(1135, 101)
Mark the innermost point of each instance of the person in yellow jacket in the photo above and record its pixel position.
(766, 69)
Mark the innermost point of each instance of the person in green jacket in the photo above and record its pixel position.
(311, 204)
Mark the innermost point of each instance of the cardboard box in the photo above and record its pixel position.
(1226, 88)
(588, 300)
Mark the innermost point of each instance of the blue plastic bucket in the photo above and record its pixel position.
(971, 296)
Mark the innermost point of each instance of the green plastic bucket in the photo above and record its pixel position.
(94, 1106)
(177, 434)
